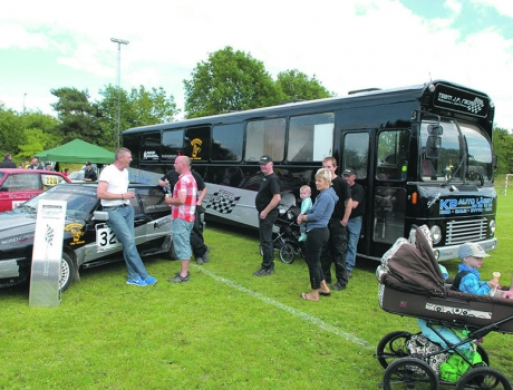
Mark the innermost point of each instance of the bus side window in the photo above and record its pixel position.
(310, 137)
(265, 137)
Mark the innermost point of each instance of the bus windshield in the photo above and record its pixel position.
(455, 152)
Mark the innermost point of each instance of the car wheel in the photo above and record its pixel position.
(68, 269)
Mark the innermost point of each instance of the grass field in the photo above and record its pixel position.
(224, 329)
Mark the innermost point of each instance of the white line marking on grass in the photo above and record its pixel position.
(304, 316)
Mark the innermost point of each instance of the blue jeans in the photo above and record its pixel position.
(121, 221)
(354, 227)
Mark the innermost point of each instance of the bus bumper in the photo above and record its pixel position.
(444, 253)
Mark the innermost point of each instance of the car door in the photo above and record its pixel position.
(17, 188)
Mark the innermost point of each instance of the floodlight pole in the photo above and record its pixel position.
(118, 79)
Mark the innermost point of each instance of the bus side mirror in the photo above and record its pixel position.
(433, 146)
(435, 130)
(434, 141)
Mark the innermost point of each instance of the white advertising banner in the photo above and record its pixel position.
(47, 254)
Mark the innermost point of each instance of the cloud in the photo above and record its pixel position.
(350, 44)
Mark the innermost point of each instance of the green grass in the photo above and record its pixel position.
(224, 329)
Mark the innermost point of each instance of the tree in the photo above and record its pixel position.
(502, 146)
(78, 117)
(11, 131)
(296, 85)
(36, 141)
(228, 81)
(139, 108)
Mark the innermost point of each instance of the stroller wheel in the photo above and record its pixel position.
(287, 253)
(410, 373)
(484, 354)
(392, 347)
(483, 378)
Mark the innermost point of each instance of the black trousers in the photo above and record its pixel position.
(197, 243)
(266, 238)
(335, 253)
(317, 240)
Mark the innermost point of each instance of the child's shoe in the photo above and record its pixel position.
(302, 238)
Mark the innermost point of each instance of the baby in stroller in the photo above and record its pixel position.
(446, 351)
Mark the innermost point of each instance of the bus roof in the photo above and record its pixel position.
(413, 92)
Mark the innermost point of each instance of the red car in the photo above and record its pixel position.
(19, 185)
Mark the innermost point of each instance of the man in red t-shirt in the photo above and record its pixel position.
(183, 206)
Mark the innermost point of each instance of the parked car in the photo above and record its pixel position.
(88, 241)
(76, 177)
(19, 185)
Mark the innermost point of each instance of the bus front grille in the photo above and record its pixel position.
(459, 232)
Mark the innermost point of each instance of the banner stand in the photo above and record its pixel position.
(47, 254)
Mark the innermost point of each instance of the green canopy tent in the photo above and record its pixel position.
(77, 151)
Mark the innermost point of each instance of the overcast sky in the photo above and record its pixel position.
(346, 44)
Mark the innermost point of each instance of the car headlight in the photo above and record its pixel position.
(491, 225)
(436, 234)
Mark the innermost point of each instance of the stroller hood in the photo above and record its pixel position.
(413, 268)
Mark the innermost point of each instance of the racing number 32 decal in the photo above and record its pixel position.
(105, 238)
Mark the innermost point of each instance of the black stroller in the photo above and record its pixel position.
(412, 284)
(286, 235)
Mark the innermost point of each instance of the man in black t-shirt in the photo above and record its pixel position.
(266, 202)
(335, 251)
(354, 224)
(199, 249)
(90, 174)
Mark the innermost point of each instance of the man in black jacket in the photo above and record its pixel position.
(7, 163)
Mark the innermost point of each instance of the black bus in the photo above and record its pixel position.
(423, 153)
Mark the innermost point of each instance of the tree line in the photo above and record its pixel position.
(227, 81)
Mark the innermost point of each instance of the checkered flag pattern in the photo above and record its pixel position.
(476, 106)
(222, 204)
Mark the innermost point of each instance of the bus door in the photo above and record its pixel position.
(387, 192)
(355, 147)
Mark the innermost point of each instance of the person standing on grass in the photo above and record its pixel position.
(183, 207)
(354, 224)
(317, 221)
(113, 192)
(199, 249)
(266, 202)
(335, 251)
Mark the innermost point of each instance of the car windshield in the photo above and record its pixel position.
(76, 176)
(80, 200)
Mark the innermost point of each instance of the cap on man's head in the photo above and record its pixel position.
(265, 159)
(349, 172)
(471, 249)
(88, 163)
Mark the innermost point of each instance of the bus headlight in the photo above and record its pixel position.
(491, 225)
(436, 233)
